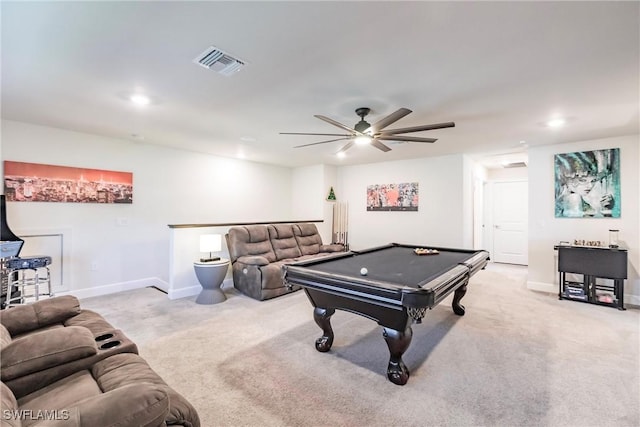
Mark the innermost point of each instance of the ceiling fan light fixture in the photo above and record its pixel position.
(364, 133)
(556, 123)
(363, 140)
(140, 99)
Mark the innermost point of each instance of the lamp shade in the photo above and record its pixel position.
(210, 243)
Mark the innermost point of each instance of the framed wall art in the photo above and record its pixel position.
(35, 182)
(587, 184)
(393, 197)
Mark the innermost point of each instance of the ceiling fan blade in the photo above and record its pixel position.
(338, 124)
(391, 118)
(321, 142)
(345, 148)
(405, 138)
(418, 128)
(379, 145)
(315, 134)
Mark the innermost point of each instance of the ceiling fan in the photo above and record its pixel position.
(365, 133)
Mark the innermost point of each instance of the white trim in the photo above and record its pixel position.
(62, 259)
(184, 292)
(631, 299)
(115, 287)
(542, 287)
(193, 290)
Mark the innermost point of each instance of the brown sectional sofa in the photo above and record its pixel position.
(258, 253)
(58, 360)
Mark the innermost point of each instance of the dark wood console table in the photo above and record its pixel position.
(593, 262)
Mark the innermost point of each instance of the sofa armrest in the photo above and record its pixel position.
(26, 318)
(42, 350)
(253, 260)
(334, 247)
(133, 405)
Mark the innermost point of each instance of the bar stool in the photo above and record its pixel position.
(31, 276)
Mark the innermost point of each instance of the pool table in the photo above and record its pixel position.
(395, 289)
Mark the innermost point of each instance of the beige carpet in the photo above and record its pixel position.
(517, 358)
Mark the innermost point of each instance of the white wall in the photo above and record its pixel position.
(545, 230)
(307, 189)
(170, 187)
(442, 211)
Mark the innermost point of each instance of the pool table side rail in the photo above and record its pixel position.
(343, 291)
(456, 277)
(338, 284)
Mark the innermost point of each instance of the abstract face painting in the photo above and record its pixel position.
(587, 184)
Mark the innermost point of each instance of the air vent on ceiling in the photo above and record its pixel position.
(515, 165)
(219, 61)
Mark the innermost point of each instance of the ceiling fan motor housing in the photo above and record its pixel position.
(362, 125)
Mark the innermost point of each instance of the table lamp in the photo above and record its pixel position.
(210, 243)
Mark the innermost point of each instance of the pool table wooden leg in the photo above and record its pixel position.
(398, 342)
(322, 316)
(457, 296)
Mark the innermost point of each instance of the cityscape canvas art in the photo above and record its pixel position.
(587, 184)
(35, 182)
(393, 197)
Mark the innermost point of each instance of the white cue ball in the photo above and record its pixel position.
(363, 271)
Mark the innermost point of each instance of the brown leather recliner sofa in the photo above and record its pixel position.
(63, 365)
(258, 253)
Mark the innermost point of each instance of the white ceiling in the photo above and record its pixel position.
(497, 69)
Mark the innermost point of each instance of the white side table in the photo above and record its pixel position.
(211, 275)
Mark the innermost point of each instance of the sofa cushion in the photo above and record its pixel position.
(79, 401)
(253, 260)
(124, 369)
(5, 337)
(42, 350)
(250, 240)
(308, 238)
(283, 241)
(334, 247)
(8, 405)
(90, 320)
(62, 393)
(272, 275)
(25, 318)
(134, 405)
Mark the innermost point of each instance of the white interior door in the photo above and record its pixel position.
(510, 228)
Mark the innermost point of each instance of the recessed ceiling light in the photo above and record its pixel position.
(341, 155)
(556, 123)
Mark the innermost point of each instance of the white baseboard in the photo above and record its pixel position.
(116, 287)
(184, 292)
(193, 290)
(632, 300)
(542, 287)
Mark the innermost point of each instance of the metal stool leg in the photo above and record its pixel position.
(24, 282)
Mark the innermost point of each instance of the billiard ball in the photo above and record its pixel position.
(363, 271)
